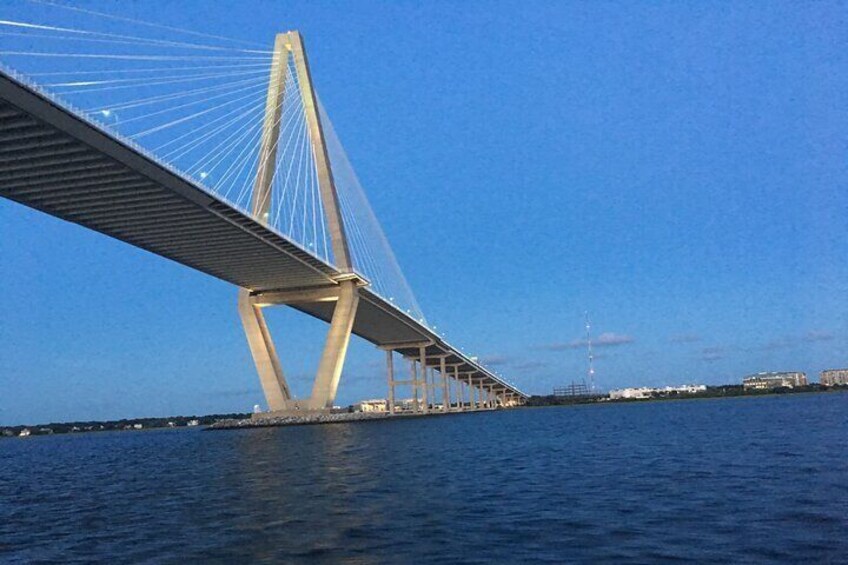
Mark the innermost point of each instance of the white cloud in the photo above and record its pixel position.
(607, 339)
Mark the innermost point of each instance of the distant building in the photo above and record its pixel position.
(374, 405)
(404, 404)
(631, 393)
(832, 377)
(646, 392)
(682, 389)
(768, 381)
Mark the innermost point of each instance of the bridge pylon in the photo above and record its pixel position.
(345, 291)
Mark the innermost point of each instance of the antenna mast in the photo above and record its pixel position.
(591, 358)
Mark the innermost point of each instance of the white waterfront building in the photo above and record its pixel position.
(647, 392)
(622, 393)
(766, 381)
(373, 405)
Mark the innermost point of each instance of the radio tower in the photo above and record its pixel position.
(591, 359)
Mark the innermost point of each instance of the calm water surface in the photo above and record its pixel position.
(743, 480)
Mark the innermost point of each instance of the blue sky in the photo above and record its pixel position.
(677, 169)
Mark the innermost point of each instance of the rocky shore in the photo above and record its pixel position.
(304, 420)
(315, 418)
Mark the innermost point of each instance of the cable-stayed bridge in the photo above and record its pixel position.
(225, 162)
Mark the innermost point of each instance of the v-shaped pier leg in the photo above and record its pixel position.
(264, 353)
(335, 348)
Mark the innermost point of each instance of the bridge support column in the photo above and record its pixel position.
(448, 392)
(445, 394)
(431, 392)
(456, 395)
(422, 353)
(465, 395)
(390, 369)
(417, 381)
(454, 392)
(453, 388)
(433, 389)
(413, 377)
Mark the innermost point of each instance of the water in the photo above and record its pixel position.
(743, 480)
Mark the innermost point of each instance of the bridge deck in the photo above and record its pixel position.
(57, 162)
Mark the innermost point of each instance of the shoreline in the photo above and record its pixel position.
(211, 422)
(550, 400)
(215, 422)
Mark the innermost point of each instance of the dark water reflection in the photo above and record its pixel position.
(744, 480)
